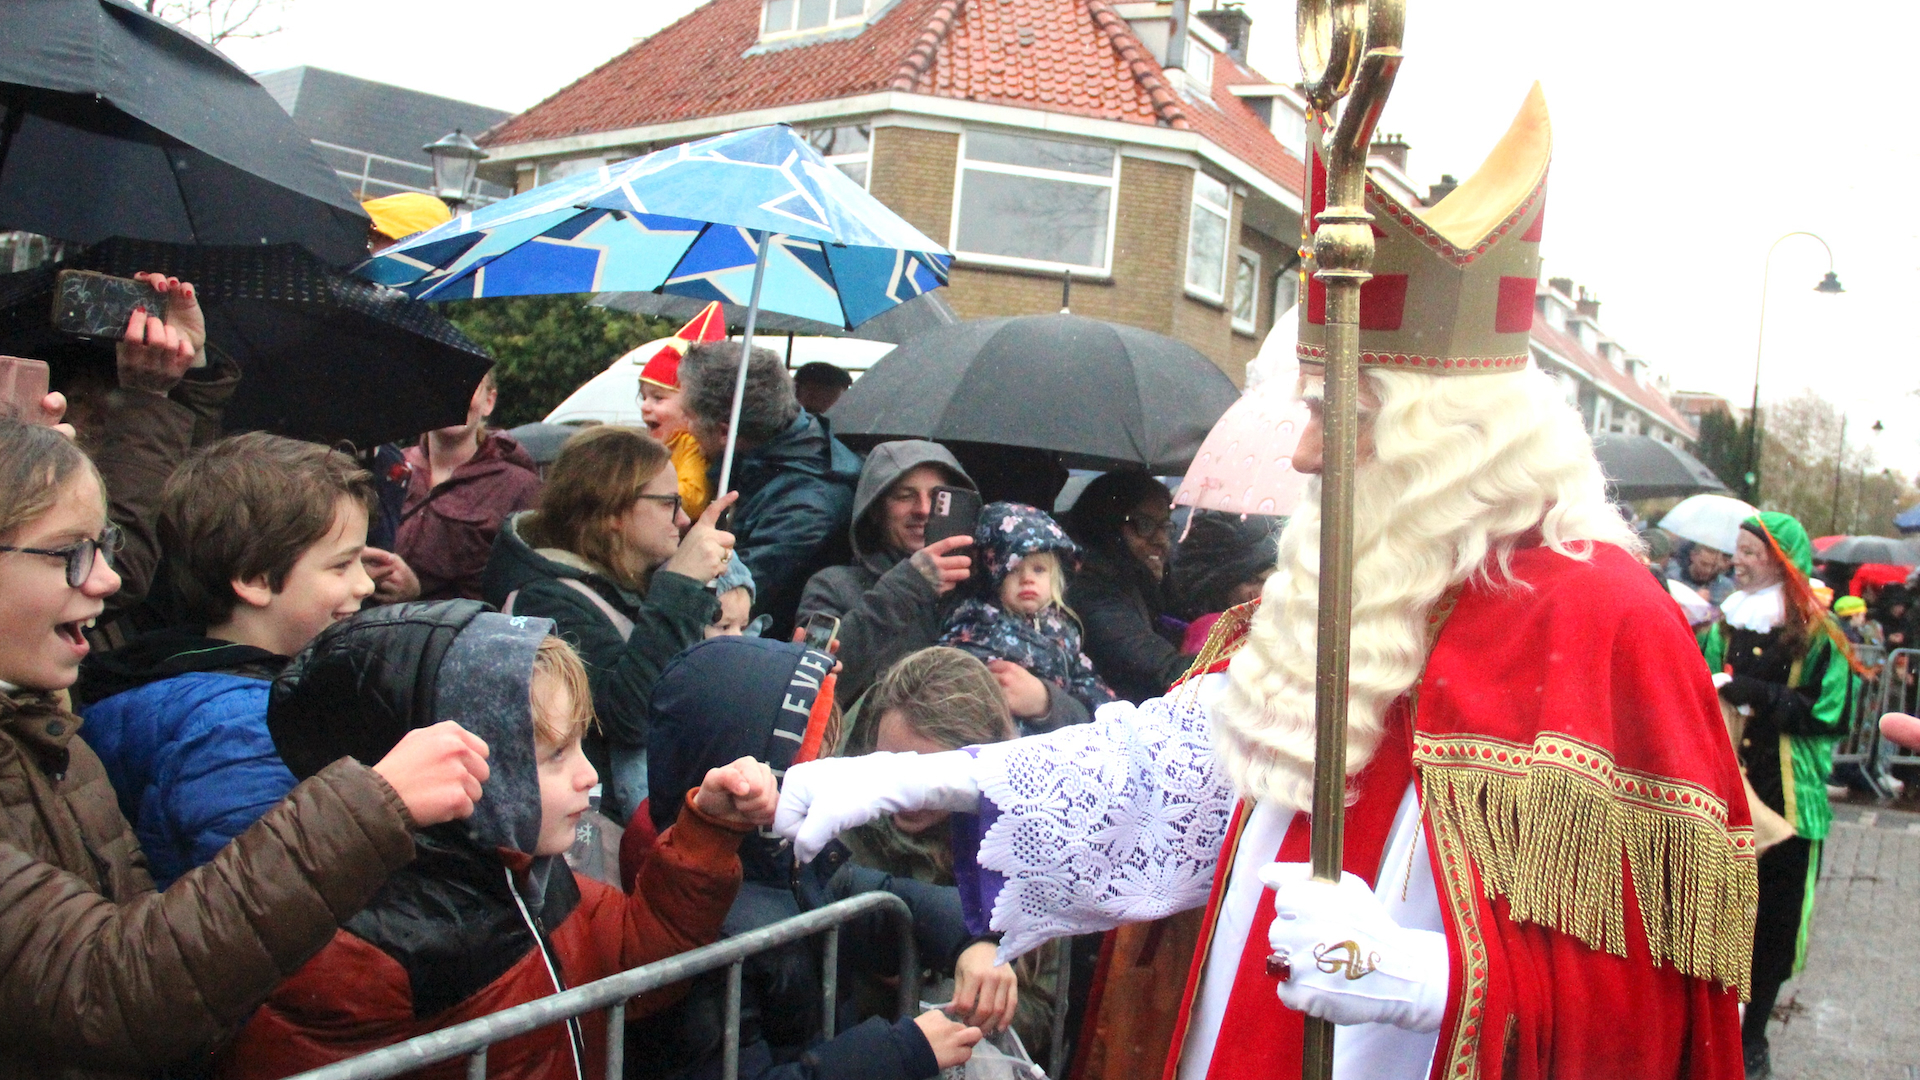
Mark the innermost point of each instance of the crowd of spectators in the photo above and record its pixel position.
(357, 713)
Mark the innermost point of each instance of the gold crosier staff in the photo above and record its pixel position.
(1348, 48)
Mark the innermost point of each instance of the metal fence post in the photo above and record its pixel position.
(730, 1048)
(616, 1041)
(829, 981)
(477, 1065)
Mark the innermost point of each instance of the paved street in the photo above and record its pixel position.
(1854, 1013)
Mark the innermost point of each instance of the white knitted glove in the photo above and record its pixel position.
(822, 799)
(1350, 962)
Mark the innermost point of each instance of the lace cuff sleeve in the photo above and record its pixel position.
(1082, 829)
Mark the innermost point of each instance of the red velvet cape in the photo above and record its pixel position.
(1589, 837)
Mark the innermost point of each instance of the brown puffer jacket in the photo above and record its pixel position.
(99, 975)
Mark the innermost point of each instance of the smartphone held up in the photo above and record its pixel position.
(23, 387)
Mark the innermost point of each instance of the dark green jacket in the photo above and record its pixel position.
(672, 616)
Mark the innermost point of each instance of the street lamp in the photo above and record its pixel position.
(456, 159)
(1830, 285)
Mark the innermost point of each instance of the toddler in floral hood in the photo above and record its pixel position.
(1023, 616)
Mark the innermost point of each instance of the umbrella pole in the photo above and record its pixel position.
(765, 241)
(1332, 38)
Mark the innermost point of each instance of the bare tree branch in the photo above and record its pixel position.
(217, 20)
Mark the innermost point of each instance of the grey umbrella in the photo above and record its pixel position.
(1639, 467)
(1094, 394)
(1872, 549)
(116, 123)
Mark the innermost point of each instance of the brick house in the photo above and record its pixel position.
(1125, 144)
(1614, 390)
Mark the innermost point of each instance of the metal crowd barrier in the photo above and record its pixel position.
(1863, 725)
(612, 993)
(1899, 692)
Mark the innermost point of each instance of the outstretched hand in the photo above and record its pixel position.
(985, 991)
(437, 772)
(951, 1040)
(743, 793)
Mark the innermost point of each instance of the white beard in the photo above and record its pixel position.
(1464, 466)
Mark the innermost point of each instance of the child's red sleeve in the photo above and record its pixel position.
(682, 893)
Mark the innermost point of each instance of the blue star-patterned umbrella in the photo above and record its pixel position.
(756, 218)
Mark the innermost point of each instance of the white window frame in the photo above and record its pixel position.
(834, 21)
(1286, 283)
(1251, 325)
(1111, 182)
(1199, 67)
(1197, 205)
(862, 157)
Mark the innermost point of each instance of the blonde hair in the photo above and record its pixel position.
(556, 660)
(944, 695)
(1056, 581)
(1464, 470)
(597, 478)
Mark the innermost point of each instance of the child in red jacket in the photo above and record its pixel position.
(488, 915)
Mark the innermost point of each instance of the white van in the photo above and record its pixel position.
(613, 396)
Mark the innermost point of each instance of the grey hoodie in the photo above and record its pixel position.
(886, 609)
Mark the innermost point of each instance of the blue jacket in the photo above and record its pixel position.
(191, 761)
(796, 502)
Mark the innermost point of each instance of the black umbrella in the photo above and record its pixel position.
(1639, 467)
(1096, 394)
(117, 123)
(324, 356)
(1859, 550)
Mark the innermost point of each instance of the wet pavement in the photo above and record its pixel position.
(1854, 1013)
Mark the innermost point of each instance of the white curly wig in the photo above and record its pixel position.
(1462, 469)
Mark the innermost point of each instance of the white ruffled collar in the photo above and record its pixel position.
(1759, 611)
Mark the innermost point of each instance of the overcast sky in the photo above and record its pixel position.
(1689, 134)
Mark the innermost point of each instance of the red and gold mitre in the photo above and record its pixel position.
(1453, 283)
(663, 367)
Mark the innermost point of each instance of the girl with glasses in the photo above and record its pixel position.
(1124, 520)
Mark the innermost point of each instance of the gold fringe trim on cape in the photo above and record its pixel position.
(1546, 826)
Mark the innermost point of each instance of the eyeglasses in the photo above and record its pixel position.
(673, 501)
(79, 556)
(1150, 527)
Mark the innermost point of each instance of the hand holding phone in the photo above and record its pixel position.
(23, 390)
(100, 305)
(955, 512)
(822, 632)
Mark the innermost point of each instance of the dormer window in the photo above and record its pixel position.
(782, 17)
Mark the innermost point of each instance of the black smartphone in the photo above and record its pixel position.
(23, 383)
(99, 305)
(956, 512)
(822, 631)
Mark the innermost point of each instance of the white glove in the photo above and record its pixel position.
(1351, 963)
(822, 799)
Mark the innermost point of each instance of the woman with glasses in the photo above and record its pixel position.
(604, 557)
(1124, 520)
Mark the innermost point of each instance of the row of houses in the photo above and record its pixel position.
(1126, 146)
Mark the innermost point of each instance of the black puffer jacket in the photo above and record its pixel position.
(1120, 605)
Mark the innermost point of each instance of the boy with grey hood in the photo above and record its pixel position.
(894, 598)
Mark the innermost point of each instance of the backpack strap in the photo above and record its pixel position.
(621, 624)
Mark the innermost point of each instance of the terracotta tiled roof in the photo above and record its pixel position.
(1064, 56)
(1240, 131)
(696, 68)
(1564, 344)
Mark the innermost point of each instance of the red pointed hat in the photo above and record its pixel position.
(663, 368)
